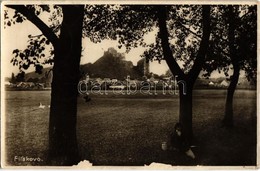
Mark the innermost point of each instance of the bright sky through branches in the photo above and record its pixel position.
(16, 37)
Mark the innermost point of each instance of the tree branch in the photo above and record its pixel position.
(48, 33)
(199, 61)
(200, 37)
(35, 36)
(245, 15)
(183, 26)
(231, 37)
(164, 36)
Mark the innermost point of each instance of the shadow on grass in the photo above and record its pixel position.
(129, 131)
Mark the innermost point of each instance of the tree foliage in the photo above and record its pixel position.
(185, 32)
(39, 49)
(219, 57)
(129, 23)
(124, 23)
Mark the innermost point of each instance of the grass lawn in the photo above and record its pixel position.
(129, 130)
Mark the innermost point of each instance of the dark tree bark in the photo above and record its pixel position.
(228, 117)
(185, 117)
(185, 113)
(63, 146)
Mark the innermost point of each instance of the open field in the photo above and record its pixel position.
(129, 130)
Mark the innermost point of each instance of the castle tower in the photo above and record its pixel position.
(143, 67)
(146, 66)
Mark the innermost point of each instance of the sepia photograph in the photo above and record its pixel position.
(121, 84)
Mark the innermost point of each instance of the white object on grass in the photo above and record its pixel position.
(41, 106)
(164, 146)
(190, 154)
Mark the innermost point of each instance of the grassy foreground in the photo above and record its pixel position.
(129, 130)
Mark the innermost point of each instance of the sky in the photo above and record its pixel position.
(16, 37)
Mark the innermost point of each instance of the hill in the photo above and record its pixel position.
(111, 65)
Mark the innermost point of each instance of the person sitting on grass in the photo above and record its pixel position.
(179, 142)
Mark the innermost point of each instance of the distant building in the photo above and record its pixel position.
(107, 80)
(144, 67)
(152, 79)
(98, 80)
(114, 80)
(211, 83)
(224, 83)
(39, 85)
(25, 85)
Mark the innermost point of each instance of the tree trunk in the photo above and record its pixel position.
(228, 118)
(63, 147)
(185, 113)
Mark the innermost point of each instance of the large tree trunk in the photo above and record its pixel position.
(228, 118)
(185, 113)
(63, 147)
